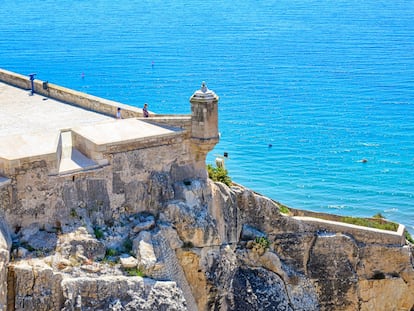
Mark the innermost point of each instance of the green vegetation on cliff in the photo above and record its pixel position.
(283, 209)
(218, 174)
(375, 222)
(408, 237)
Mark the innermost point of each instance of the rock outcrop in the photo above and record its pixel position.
(205, 247)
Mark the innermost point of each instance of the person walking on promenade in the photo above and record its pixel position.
(145, 111)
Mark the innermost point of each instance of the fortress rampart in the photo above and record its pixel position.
(70, 170)
(113, 163)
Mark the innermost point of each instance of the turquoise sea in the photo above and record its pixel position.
(308, 89)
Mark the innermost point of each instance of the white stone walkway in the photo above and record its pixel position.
(31, 125)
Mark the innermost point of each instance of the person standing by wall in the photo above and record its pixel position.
(145, 111)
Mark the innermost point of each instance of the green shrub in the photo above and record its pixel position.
(111, 252)
(73, 213)
(408, 237)
(283, 209)
(98, 233)
(218, 174)
(127, 245)
(262, 242)
(110, 260)
(135, 272)
(378, 216)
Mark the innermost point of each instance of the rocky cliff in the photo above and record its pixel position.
(198, 245)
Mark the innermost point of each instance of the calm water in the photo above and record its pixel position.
(324, 83)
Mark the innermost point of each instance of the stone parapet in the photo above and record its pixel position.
(181, 121)
(70, 96)
(9, 167)
(97, 152)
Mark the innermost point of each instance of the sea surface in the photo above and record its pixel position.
(308, 89)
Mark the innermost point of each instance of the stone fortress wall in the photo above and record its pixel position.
(126, 175)
(33, 190)
(31, 187)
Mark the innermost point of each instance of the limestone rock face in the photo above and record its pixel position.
(121, 293)
(191, 217)
(193, 226)
(35, 287)
(224, 210)
(198, 246)
(332, 267)
(196, 276)
(257, 289)
(144, 251)
(386, 294)
(81, 243)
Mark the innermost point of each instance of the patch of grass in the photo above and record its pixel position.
(127, 245)
(284, 209)
(262, 242)
(73, 213)
(408, 237)
(110, 260)
(259, 245)
(27, 246)
(111, 252)
(135, 272)
(219, 174)
(376, 223)
(98, 233)
(378, 216)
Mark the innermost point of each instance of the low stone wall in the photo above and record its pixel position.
(181, 121)
(9, 167)
(99, 152)
(14, 79)
(72, 97)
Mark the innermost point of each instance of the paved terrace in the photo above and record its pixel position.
(31, 125)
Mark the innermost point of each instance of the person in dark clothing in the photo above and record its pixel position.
(145, 111)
